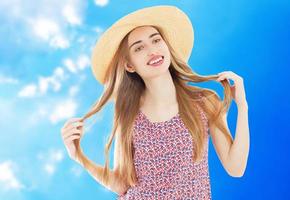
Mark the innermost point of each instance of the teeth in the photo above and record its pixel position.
(155, 61)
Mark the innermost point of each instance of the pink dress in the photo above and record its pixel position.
(163, 161)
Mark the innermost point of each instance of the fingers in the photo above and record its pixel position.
(71, 137)
(73, 125)
(71, 132)
(224, 75)
(70, 125)
(221, 77)
(225, 72)
(69, 121)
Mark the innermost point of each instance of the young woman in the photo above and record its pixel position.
(161, 124)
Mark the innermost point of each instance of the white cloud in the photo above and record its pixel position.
(101, 3)
(57, 155)
(69, 64)
(99, 29)
(7, 80)
(14, 7)
(28, 91)
(81, 63)
(63, 110)
(81, 39)
(59, 41)
(8, 179)
(42, 112)
(45, 28)
(73, 90)
(47, 20)
(44, 83)
(49, 168)
(50, 160)
(58, 72)
(76, 170)
(49, 30)
(53, 111)
(69, 12)
(57, 77)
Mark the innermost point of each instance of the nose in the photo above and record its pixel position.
(152, 53)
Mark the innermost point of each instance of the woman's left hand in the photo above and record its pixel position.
(237, 89)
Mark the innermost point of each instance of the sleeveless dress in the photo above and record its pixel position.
(163, 161)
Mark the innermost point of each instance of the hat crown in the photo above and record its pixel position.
(175, 25)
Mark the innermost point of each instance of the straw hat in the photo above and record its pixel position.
(175, 23)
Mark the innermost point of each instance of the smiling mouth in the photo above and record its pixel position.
(157, 63)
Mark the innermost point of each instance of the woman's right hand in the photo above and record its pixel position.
(73, 129)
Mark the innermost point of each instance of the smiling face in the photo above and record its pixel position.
(149, 55)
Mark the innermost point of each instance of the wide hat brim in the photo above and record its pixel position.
(174, 22)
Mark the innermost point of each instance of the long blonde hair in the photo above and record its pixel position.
(126, 89)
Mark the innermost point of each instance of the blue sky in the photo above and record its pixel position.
(45, 78)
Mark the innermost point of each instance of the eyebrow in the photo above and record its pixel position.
(150, 36)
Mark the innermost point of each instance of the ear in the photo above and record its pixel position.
(129, 68)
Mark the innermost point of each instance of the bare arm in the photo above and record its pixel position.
(233, 154)
(239, 150)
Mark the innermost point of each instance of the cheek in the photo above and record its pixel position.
(166, 53)
(166, 49)
(134, 59)
(139, 59)
(136, 62)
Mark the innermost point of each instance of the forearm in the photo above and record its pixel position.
(238, 153)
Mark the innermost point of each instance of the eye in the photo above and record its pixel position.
(137, 48)
(157, 40)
